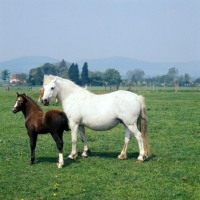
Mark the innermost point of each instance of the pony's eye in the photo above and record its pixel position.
(52, 88)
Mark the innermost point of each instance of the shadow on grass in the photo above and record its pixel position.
(108, 155)
(133, 155)
(54, 160)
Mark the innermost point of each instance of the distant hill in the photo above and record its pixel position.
(123, 65)
(24, 64)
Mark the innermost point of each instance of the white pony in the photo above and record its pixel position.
(99, 112)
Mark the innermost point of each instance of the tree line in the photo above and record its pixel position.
(111, 77)
(83, 77)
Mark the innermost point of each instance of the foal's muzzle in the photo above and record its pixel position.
(14, 110)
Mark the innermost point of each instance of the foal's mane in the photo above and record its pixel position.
(34, 102)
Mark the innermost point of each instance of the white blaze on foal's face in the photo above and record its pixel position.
(16, 103)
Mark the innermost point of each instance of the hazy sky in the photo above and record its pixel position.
(149, 30)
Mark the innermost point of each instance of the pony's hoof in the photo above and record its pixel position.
(85, 154)
(141, 159)
(122, 157)
(72, 157)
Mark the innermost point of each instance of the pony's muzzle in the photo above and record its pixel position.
(45, 102)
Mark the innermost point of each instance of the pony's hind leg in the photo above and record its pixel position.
(86, 151)
(138, 136)
(127, 139)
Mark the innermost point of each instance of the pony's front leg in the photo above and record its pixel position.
(74, 130)
(127, 139)
(86, 151)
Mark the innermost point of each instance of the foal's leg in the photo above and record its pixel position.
(127, 139)
(74, 130)
(59, 142)
(33, 140)
(86, 151)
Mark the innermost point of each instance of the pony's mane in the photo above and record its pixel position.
(47, 79)
(34, 102)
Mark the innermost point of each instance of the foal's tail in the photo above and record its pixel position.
(143, 125)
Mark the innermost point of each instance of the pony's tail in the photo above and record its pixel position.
(143, 125)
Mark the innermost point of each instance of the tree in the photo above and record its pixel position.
(197, 81)
(22, 77)
(36, 74)
(46, 68)
(96, 78)
(112, 77)
(49, 68)
(31, 77)
(84, 74)
(63, 64)
(39, 76)
(135, 75)
(5, 74)
(187, 79)
(65, 73)
(74, 73)
(173, 73)
(63, 69)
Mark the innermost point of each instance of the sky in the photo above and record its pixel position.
(147, 30)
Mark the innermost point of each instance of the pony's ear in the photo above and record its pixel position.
(54, 80)
(17, 94)
(24, 95)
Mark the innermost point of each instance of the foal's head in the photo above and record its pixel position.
(19, 103)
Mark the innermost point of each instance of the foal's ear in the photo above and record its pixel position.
(17, 94)
(24, 95)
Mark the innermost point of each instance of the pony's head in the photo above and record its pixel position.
(19, 103)
(50, 92)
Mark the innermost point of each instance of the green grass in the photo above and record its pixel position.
(171, 173)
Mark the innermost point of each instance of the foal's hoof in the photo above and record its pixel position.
(72, 156)
(31, 162)
(60, 165)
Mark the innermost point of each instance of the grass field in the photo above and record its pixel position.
(172, 172)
